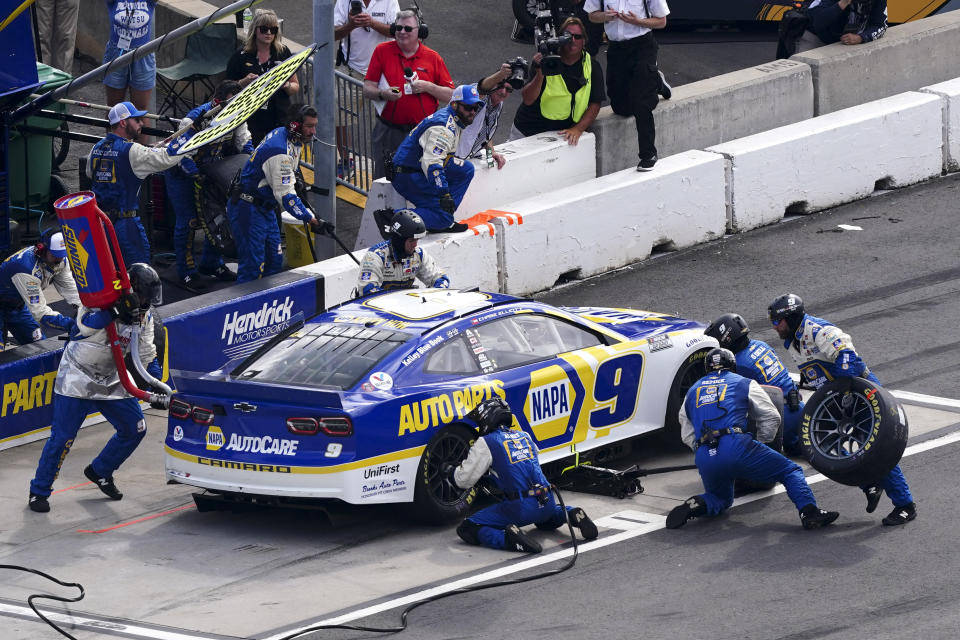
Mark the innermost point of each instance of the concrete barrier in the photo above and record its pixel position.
(535, 165)
(832, 159)
(907, 57)
(613, 221)
(711, 111)
(950, 92)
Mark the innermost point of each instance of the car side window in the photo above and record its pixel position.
(453, 357)
(526, 338)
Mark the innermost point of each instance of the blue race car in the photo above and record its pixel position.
(365, 402)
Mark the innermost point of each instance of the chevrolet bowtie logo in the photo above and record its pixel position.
(244, 407)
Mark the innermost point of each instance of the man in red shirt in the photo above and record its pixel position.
(408, 80)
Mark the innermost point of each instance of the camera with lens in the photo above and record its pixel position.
(518, 73)
(546, 40)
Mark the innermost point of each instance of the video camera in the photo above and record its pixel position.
(518, 73)
(546, 40)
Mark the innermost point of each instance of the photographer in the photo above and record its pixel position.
(633, 80)
(477, 138)
(566, 89)
(846, 21)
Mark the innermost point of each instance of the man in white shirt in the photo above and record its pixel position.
(477, 137)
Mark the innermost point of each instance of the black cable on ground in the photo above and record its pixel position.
(479, 587)
(44, 596)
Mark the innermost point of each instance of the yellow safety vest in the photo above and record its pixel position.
(556, 103)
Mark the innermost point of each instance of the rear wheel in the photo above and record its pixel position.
(436, 499)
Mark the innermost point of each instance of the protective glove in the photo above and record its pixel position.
(94, 320)
(447, 204)
(159, 401)
(793, 400)
(442, 283)
(189, 167)
(200, 122)
(181, 140)
(322, 226)
(128, 308)
(247, 147)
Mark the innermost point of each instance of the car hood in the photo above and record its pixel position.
(634, 323)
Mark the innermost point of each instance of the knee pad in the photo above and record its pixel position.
(468, 531)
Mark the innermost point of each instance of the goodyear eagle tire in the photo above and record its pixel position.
(436, 500)
(853, 431)
(745, 486)
(689, 372)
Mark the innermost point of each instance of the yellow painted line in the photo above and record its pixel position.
(351, 196)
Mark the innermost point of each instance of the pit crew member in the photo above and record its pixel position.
(426, 169)
(268, 178)
(757, 360)
(713, 422)
(394, 263)
(823, 352)
(23, 277)
(88, 382)
(511, 457)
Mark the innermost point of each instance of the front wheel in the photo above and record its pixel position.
(689, 372)
(436, 500)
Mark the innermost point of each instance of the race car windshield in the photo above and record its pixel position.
(325, 355)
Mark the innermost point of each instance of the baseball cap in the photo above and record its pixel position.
(57, 247)
(122, 111)
(466, 94)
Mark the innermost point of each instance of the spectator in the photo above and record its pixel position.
(131, 25)
(425, 170)
(567, 101)
(181, 190)
(88, 382)
(395, 263)
(478, 136)
(360, 25)
(57, 26)
(511, 456)
(633, 80)
(263, 50)
(846, 21)
(268, 178)
(117, 167)
(712, 421)
(23, 277)
(412, 81)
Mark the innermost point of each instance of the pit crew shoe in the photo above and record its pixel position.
(665, 89)
(221, 273)
(192, 281)
(516, 540)
(901, 515)
(104, 484)
(813, 517)
(580, 520)
(692, 508)
(647, 164)
(456, 227)
(39, 503)
(873, 498)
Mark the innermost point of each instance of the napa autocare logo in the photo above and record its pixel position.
(270, 319)
(77, 255)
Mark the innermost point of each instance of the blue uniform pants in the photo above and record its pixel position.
(425, 195)
(68, 414)
(180, 190)
(21, 324)
(259, 250)
(132, 238)
(740, 456)
(791, 429)
(494, 519)
(894, 483)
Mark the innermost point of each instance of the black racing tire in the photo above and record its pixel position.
(689, 372)
(437, 500)
(525, 12)
(744, 486)
(853, 431)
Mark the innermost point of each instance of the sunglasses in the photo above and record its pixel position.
(471, 107)
(575, 36)
(404, 27)
(265, 30)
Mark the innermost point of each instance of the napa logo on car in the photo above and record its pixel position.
(215, 439)
(549, 403)
(270, 319)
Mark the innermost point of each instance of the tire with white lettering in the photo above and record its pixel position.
(853, 431)
(776, 396)
(436, 500)
(689, 372)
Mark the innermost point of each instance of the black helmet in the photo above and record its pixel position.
(719, 359)
(405, 225)
(730, 330)
(491, 414)
(146, 284)
(789, 306)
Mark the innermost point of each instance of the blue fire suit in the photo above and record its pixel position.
(713, 421)
(181, 189)
(823, 353)
(758, 361)
(427, 168)
(23, 307)
(117, 167)
(511, 456)
(87, 382)
(266, 179)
